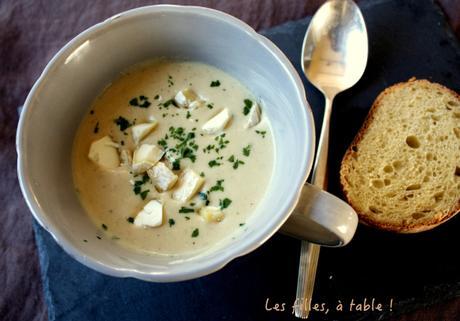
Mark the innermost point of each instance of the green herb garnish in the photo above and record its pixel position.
(236, 162)
(171, 222)
(214, 163)
(170, 81)
(122, 122)
(169, 102)
(247, 106)
(242, 224)
(144, 194)
(218, 186)
(195, 232)
(261, 133)
(210, 106)
(185, 210)
(156, 97)
(215, 83)
(188, 115)
(104, 227)
(130, 220)
(141, 102)
(247, 150)
(224, 203)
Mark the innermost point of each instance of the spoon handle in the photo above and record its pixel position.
(309, 253)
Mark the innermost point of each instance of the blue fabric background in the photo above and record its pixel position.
(406, 38)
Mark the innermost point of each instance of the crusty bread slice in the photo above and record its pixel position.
(402, 171)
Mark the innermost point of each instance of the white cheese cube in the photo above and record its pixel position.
(187, 186)
(185, 97)
(196, 104)
(104, 153)
(145, 157)
(212, 214)
(254, 116)
(162, 177)
(217, 124)
(142, 130)
(151, 215)
(126, 158)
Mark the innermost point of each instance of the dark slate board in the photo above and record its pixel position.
(407, 38)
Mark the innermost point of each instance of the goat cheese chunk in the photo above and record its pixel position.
(162, 177)
(212, 214)
(185, 97)
(217, 124)
(187, 186)
(145, 157)
(151, 215)
(196, 104)
(104, 153)
(254, 116)
(140, 131)
(126, 158)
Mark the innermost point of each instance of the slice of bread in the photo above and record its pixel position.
(402, 171)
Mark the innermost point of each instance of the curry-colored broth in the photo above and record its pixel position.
(107, 195)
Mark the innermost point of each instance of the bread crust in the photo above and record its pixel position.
(368, 220)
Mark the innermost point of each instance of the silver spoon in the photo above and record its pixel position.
(334, 57)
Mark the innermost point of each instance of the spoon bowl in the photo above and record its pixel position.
(335, 48)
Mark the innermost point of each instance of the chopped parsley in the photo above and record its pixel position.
(213, 163)
(141, 102)
(137, 189)
(195, 232)
(202, 174)
(224, 203)
(221, 142)
(188, 114)
(96, 128)
(104, 227)
(210, 105)
(184, 148)
(170, 81)
(144, 194)
(163, 143)
(130, 220)
(171, 222)
(168, 103)
(236, 162)
(86, 241)
(242, 224)
(217, 187)
(156, 97)
(185, 210)
(98, 237)
(122, 123)
(247, 150)
(261, 133)
(215, 83)
(247, 106)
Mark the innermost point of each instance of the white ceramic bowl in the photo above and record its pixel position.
(80, 71)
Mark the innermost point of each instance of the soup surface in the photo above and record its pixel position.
(172, 157)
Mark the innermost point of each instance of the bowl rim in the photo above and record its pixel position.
(205, 268)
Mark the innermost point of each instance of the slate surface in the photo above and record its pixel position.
(413, 270)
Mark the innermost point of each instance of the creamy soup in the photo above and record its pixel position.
(172, 157)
